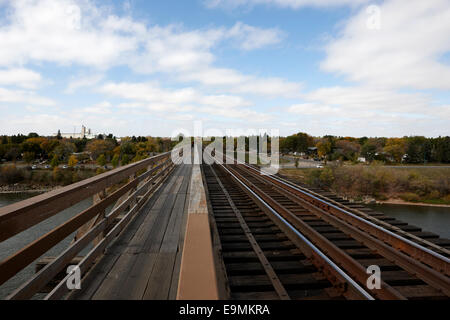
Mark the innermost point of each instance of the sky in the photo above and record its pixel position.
(140, 67)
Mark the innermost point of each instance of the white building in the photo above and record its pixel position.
(84, 133)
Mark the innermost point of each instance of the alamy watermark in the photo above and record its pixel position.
(373, 21)
(73, 281)
(374, 280)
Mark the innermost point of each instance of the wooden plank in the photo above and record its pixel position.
(136, 280)
(177, 268)
(96, 276)
(159, 282)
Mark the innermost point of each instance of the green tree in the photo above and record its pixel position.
(125, 159)
(115, 161)
(58, 136)
(101, 160)
(369, 150)
(55, 161)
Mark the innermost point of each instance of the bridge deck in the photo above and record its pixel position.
(144, 261)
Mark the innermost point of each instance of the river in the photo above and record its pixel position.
(432, 219)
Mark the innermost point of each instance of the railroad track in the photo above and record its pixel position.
(280, 241)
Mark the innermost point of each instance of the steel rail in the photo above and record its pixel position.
(270, 272)
(336, 272)
(425, 255)
(311, 245)
(369, 217)
(350, 265)
(427, 274)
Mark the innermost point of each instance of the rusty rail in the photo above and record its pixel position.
(127, 188)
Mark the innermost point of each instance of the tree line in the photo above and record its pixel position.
(57, 150)
(413, 149)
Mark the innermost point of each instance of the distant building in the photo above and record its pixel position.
(84, 133)
(361, 159)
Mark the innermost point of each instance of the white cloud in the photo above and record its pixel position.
(358, 99)
(64, 31)
(81, 82)
(236, 82)
(99, 108)
(154, 94)
(314, 109)
(20, 77)
(250, 37)
(22, 96)
(293, 4)
(363, 111)
(404, 52)
(150, 96)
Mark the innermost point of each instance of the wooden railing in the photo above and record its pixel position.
(126, 189)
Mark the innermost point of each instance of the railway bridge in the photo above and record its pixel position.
(162, 230)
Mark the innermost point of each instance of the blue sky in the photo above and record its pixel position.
(136, 67)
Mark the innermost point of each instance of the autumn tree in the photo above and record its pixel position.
(323, 148)
(72, 161)
(396, 148)
(99, 147)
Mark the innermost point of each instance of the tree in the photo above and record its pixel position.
(28, 157)
(396, 148)
(55, 161)
(72, 161)
(125, 159)
(64, 149)
(99, 147)
(369, 150)
(101, 160)
(323, 148)
(115, 161)
(58, 136)
(12, 154)
(418, 149)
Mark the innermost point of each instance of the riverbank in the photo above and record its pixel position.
(422, 204)
(378, 184)
(26, 188)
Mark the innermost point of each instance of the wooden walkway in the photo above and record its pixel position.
(144, 261)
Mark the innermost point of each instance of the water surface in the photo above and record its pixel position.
(433, 219)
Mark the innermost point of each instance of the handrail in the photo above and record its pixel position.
(128, 198)
(22, 215)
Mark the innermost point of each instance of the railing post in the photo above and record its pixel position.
(96, 198)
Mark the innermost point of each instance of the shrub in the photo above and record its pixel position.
(57, 174)
(409, 196)
(115, 161)
(10, 174)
